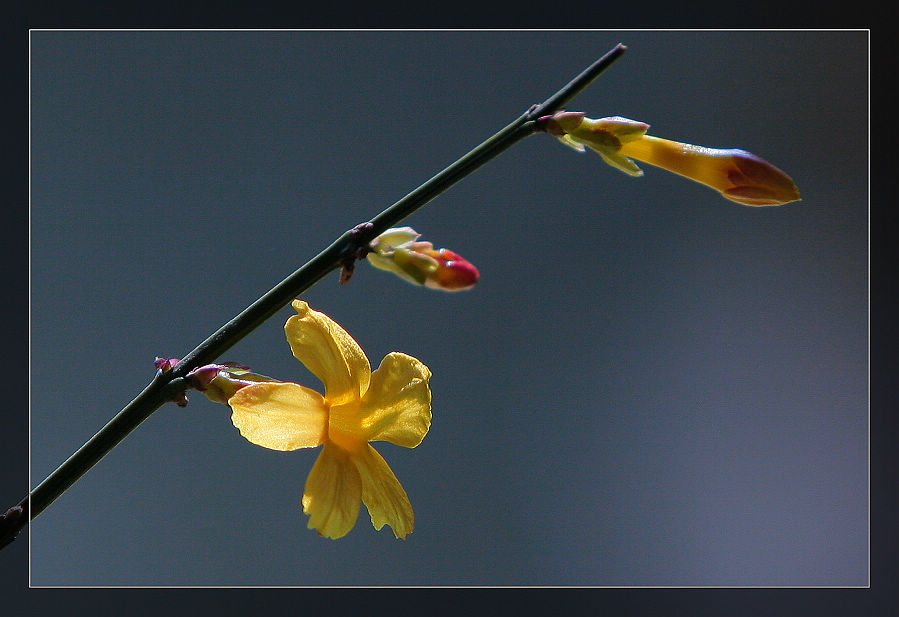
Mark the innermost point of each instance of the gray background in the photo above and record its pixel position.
(650, 385)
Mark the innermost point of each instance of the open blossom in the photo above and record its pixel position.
(738, 175)
(391, 404)
(398, 250)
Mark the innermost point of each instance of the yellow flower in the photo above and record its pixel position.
(738, 175)
(392, 404)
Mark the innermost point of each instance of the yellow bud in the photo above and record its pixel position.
(738, 175)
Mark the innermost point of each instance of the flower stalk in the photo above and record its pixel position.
(170, 384)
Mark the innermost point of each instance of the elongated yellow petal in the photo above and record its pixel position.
(332, 494)
(382, 493)
(329, 353)
(397, 406)
(280, 416)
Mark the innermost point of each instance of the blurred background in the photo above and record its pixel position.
(650, 385)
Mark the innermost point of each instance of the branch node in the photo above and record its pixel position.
(355, 250)
(11, 524)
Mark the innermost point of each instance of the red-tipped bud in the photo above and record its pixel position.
(399, 251)
(453, 273)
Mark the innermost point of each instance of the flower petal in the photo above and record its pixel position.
(329, 353)
(397, 406)
(382, 493)
(280, 416)
(332, 493)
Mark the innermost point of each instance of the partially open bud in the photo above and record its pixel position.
(398, 250)
(738, 175)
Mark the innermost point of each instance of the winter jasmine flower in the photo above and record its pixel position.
(359, 406)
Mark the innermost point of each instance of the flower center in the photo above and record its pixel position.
(345, 427)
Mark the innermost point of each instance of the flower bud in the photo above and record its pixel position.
(453, 272)
(165, 364)
(219, 382)
(398, 250)
(738, 175)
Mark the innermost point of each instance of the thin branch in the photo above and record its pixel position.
(577, 85)
(165, 386)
